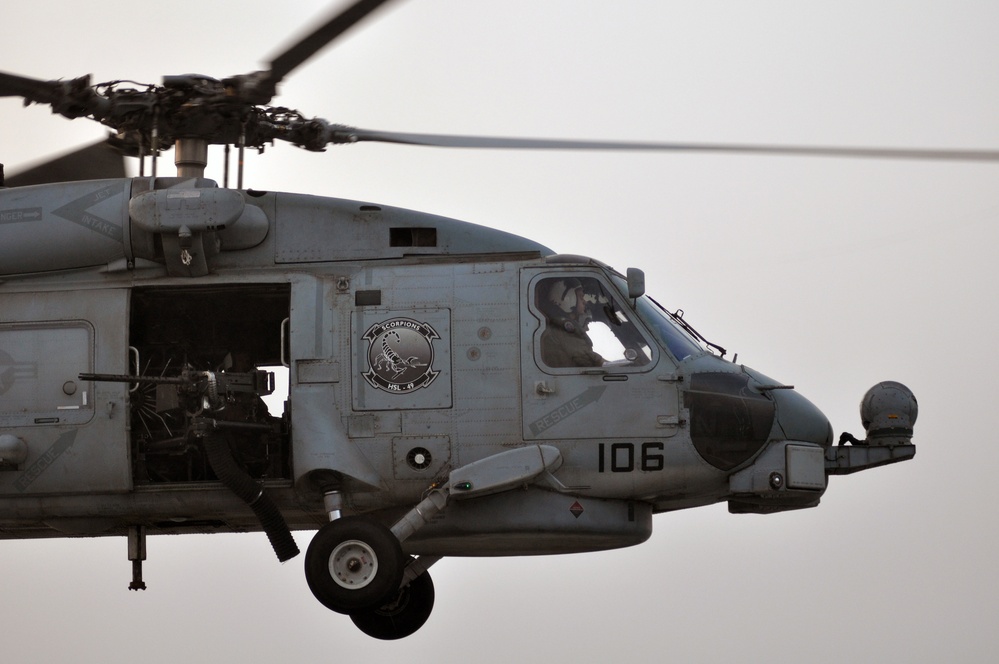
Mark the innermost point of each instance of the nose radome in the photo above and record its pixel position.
(800, 419)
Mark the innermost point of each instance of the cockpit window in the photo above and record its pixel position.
(678, 342)
(585, 327)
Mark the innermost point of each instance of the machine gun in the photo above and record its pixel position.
(212, 403)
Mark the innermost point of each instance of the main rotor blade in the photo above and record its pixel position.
(489, 142)
(32, 89)
(320, 37)
(73, 98)
(94, 162)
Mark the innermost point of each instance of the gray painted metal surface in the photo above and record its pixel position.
(141, 317)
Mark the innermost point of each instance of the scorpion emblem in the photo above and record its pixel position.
(400, 355)
(391, 360)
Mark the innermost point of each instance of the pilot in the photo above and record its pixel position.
(564, 343)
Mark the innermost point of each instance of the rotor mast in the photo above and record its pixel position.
(191, 157)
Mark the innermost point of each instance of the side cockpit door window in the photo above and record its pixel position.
(589, 367)
(585, 326)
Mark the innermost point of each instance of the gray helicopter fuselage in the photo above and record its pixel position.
(414, 345)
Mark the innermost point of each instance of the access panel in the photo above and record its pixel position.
(73, 431)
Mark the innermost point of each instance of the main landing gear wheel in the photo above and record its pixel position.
(402, 615)
(354, 564)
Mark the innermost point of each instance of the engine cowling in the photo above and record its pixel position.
(181, 222)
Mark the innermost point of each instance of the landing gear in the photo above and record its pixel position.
(354, 564)
(403, 614)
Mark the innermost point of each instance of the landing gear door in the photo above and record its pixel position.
(589, 369)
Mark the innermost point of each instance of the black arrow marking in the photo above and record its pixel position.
(76, 212)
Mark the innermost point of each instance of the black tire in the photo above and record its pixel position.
(354, 564)
(402, 615)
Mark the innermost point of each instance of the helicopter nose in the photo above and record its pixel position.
(799, 419)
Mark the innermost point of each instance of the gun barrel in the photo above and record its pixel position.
(121, 378)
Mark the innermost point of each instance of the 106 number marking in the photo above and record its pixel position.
(622, 457)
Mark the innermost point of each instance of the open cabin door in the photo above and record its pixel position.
(227, 338)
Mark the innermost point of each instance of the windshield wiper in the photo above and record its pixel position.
(677, 317)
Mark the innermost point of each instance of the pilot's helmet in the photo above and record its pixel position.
(563, 294)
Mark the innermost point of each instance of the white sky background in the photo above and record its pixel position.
(826, 274)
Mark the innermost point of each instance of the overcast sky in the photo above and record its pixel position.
(827, 274)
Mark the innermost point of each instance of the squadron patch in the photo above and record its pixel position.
(400, 355)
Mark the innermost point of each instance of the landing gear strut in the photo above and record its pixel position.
(355, 565)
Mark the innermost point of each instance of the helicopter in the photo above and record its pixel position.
(400, 329)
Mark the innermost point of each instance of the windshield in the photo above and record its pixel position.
(677, 341)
